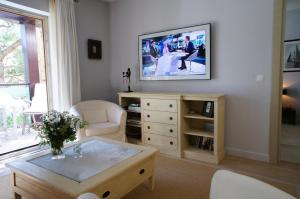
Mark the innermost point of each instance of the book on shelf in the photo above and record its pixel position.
(134, 121)
(202, 142)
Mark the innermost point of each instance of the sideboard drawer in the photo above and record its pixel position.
(162, 142)
(160, 117)
(160, 129)
(160, 105)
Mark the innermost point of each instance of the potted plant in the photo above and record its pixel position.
(56, 128)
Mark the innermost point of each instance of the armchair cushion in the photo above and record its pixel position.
(95, 116)
(96, 129)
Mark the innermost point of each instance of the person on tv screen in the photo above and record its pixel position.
(153, 52)
(189, 49)
(146, 50)
(166, 49)
(201, 51)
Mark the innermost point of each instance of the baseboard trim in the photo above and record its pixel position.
(247, 154)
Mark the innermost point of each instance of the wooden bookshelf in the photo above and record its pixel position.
(210, 146)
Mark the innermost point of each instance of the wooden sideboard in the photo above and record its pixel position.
(174, 123)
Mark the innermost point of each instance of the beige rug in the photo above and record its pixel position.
(177, 179)
(182, 179)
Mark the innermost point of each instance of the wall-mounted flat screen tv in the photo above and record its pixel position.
(176, 54)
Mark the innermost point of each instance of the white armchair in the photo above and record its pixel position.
(229, 185)
(104, 118)
(88, 196)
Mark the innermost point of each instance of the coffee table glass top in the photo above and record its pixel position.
(86, 160)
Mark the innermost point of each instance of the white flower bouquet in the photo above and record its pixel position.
(57, 128)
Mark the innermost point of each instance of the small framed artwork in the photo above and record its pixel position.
(94, 49)
(208, 109)
(291, 57)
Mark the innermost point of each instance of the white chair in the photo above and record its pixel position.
(230, 185)
(104, 118)
(88, 196)
(38, 105)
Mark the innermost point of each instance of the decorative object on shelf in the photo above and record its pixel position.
(134, 108)
(291, 59)
(126, 79)
(208, 109)
(57, 128)
(94, 49)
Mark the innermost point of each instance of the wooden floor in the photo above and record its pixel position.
(178, 179)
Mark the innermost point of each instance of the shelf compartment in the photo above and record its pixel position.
(134, 141)
(197, 132)
(198, 116)
(199, 154)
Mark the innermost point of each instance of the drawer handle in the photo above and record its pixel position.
(171, 130)
(148, 115)
(106, 194)
(171, 118)
(148, 104)
(149, 139)
(171, 143)
(142, 171)
(148, 127)
(171, 105)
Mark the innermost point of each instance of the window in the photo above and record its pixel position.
(23, 95)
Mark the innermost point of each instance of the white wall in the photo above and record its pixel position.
(93, 23)
(241, 49)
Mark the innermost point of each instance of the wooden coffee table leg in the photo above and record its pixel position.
(17, 196)
(151, 183)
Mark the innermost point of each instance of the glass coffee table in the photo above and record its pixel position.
(105, 167)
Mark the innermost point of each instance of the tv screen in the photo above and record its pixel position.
(176, 54)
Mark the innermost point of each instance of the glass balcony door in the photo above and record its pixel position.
(23, 95)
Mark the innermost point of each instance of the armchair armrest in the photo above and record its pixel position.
(81, 132)
(118, 115)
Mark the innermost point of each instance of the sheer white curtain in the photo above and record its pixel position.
(64, 75)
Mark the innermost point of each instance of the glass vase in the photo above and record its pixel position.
(57, 152)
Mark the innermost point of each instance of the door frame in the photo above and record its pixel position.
(276, 90)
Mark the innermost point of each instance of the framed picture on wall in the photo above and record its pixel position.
(291, 56)
(94, 49)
